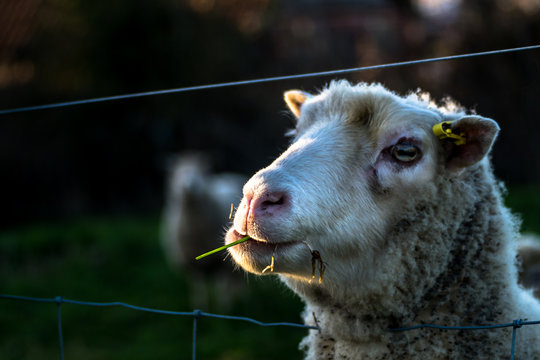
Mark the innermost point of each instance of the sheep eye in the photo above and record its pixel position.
(405, 152)
(291, 133)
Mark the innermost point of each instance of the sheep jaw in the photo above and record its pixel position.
(255, 255)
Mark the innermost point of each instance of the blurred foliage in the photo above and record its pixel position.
(61, 166)
(525, 202)
(104, 260)
(110, 158)
(119, 259)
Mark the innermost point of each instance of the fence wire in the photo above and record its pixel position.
(264, 80)
(196, 314)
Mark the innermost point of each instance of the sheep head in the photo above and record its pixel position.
(360, 161)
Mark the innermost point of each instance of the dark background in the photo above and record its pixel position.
(82, 187)
(110, 158)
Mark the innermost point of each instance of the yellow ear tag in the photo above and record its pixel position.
(444, 131)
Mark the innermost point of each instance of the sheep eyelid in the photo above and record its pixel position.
(291, 133)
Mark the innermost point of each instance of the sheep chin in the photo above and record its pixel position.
(256, 255)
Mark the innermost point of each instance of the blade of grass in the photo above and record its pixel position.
(223, 247)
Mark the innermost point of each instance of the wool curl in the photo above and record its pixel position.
(455, 253)
(438, 246)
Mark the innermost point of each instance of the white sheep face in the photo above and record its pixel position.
(359, 157)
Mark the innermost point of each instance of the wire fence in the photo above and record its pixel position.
(196, 314)
(265, 80)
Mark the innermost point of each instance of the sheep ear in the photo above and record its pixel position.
(295, 99)
(479, 134)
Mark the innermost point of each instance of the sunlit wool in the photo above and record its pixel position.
(412, 229)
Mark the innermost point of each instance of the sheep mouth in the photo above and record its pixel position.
(259, 256)
(259, 247)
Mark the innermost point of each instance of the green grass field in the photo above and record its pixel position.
(120, 259)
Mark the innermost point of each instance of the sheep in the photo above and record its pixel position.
(529, 263)
(377, 223)
(195, 216)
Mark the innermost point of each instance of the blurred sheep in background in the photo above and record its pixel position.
(529, 263)
(197, 208)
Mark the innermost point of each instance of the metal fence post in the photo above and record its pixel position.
(196, 315)
(59, 301)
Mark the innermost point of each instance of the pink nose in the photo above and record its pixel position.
(268, 204)
(255, 210)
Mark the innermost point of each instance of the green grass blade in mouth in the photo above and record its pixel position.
(223, 247)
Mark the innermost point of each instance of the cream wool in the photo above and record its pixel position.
(411, 229)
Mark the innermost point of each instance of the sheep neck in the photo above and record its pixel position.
(442, 288)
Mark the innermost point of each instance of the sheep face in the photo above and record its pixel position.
(359, 159)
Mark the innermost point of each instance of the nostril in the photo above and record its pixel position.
(273, 203)
(273, 200)
(269, 203)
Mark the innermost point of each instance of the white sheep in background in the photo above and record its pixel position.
(195, 216)
(410, 228)
(529, 263)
